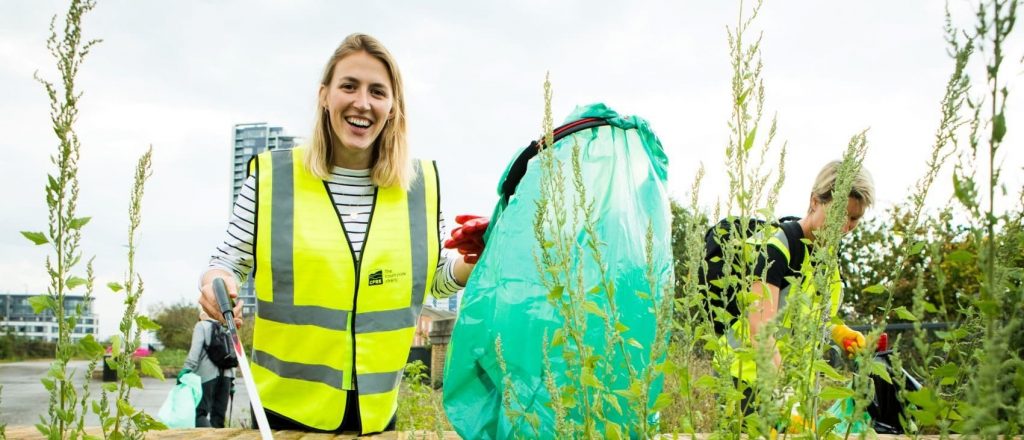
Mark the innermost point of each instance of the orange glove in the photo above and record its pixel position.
(851, 340)
(468, 238)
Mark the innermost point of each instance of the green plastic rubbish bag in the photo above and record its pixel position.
(843, 410)
(179, 410)
(624, 170)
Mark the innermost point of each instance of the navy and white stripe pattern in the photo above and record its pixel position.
(352, 193)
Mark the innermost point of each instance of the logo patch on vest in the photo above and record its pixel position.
(377, 278)
(380, 277)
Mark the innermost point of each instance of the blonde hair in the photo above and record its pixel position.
(390, 164)
(863, 188)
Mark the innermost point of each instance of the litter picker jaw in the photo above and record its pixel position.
(224, 302)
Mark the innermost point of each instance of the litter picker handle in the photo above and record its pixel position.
(220, 290)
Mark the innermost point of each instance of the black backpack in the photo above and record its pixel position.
(717, 297)
(219, 349)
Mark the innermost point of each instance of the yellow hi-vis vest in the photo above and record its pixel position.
(738, 335)
(326, 324)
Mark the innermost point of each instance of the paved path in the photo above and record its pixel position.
(23, 397)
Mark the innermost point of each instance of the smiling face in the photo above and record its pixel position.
(359, 102)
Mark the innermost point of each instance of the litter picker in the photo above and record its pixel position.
(221, 291)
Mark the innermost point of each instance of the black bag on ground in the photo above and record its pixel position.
(718, 297)
(885, 409)
(219, 349)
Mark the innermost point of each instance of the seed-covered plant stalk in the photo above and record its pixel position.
(3, 426)
(995, 398)
(752, 194)
(562, 276)
(602, 392)
(128, 422)
(63, 419)
(419, 413)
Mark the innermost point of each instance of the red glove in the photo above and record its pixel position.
(468, 238)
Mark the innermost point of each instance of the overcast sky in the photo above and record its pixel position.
(178, 75)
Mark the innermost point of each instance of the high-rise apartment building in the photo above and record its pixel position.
(250, 140)
(17, 317)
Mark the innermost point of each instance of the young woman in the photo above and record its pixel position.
(344, 239)
(787, 258)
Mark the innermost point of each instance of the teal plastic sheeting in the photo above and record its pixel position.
(624, 169)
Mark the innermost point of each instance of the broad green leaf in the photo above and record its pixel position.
(628, 393)
(75, 282)
(662, 402)
(36, 237)
(923, 398)
(124, 408)
(705, 382)
(592, 308)
(150, 366)
(621, 328)
(879, 369)
(903, 313)
(948, 370)
(833, 393)
(917, 248)
(569, 400)
(556, 293)
(960, 256)
(825, 426)
(90, 347)
(110, 387)
(998, 127)
(923, 417)
(749, 141)
(558, 339)
(145, 323)
(115, 286)
(590, 380)
(79, 222)
(133, 380)
(96, 408)
(874, 288)
(821, 366)
(115, 345)
(613, 431)
(42, 302)
(613, 402)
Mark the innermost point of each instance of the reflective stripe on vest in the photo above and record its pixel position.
(311, 293)
(736, 335)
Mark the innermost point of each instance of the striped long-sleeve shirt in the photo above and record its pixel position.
(352, 193)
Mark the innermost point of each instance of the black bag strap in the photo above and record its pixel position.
(790, 227)
(518, 169)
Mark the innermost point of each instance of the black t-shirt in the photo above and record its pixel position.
(778, 270)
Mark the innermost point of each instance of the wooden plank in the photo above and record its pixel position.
(30, 432)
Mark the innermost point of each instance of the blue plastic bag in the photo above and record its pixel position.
(624, 170)
(179, 410)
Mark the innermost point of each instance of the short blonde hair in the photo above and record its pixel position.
(390, 164)
(863, 188)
